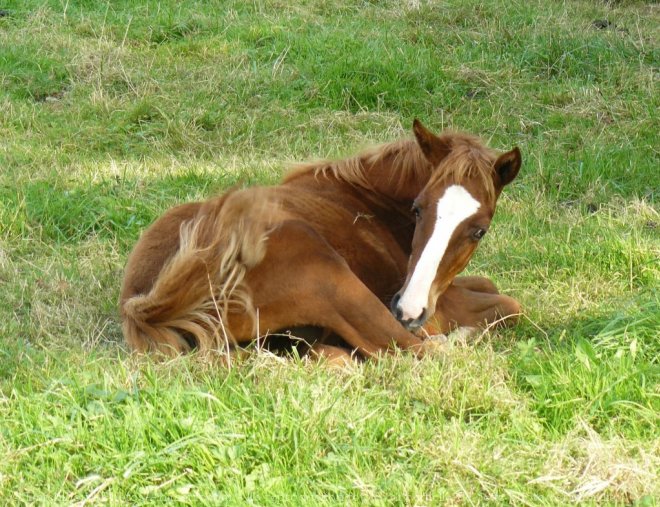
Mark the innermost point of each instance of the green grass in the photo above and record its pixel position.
(111, 112)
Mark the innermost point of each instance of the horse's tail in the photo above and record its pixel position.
(196, 289)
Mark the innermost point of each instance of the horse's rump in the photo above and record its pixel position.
(202, 282)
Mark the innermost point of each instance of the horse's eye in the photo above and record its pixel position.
(478, 234)
(416, 211)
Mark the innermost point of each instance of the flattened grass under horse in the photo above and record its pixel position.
(335, 246)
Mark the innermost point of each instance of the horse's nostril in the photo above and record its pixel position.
(395, 308)
(411, 324)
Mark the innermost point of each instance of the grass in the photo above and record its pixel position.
(111, 112)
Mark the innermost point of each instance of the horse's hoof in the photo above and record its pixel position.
(464, 334)
(440, 338)
(435, 345)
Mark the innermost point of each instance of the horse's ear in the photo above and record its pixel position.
(433, 147)
(507, 166)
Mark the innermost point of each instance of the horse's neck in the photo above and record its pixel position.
(395, 184)
(390, 192)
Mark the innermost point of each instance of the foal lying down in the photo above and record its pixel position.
(365, 249)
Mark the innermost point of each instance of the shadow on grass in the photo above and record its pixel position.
(116, 209)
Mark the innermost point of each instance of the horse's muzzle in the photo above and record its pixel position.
(409, 324)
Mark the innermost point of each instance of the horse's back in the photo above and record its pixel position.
(345, 223)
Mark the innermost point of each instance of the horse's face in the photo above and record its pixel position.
(451, 219)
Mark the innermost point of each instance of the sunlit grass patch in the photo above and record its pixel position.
(597, 371)
(376, 433)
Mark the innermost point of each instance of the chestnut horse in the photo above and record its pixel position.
(366, 249)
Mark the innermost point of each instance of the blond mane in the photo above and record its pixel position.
(467, 158)
(404, 156)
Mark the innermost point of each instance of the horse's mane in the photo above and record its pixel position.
(407, 160)
(467, 158)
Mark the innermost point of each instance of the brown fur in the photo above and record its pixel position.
(328, 247)
(203, 281)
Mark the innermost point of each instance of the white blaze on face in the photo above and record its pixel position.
(454, 206)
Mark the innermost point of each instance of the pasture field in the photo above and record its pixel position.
(113, 111)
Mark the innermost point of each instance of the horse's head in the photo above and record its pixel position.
(453, 212)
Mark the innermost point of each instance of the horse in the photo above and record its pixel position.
(365, 249)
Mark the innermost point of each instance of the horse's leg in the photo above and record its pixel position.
(303, 281)
(366, 323)
(473, 301)
(339, 301)
(335, 357)
(476, 283)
